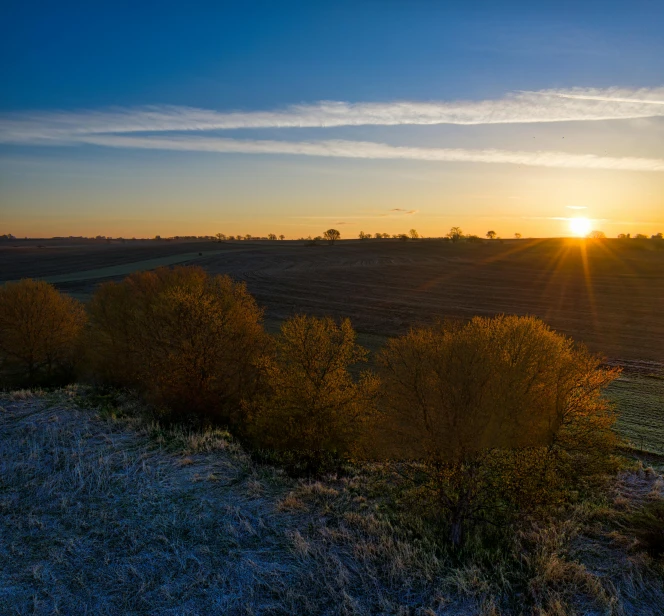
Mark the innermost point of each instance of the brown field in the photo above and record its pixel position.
(608, 294)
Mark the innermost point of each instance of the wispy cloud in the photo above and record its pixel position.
(520, 107)
(188, 129)
(576, 207)
(371, 150)
(396, 212)
(644, 96)
(401, 211)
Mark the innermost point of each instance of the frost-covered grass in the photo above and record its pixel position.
(103, 513)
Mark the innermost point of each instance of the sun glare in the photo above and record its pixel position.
(579, 226)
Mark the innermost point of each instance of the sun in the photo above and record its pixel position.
(579, 226)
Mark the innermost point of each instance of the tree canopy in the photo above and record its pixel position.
(332, 235)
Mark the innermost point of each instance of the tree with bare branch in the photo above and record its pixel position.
(39, 333)
(455, 234)
(312, 404)
(483, 402)
(331, 235)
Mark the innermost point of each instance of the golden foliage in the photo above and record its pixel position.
(493, 383)
(189, 341)
(39, 332)
(582, 439)
(503, 412)
(311, 402)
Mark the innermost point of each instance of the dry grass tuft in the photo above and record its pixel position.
(290, 503)
(24, 394)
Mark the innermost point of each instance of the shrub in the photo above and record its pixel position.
(186, 340)
(311, 403)
(39, 333)
(480, 403)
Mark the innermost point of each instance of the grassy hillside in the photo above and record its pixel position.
(106, 514)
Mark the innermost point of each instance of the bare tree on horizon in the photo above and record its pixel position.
(455, 234)
(332, 235)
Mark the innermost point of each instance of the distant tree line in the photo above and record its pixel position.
(600, 235)
(455, 234)
(639, 236)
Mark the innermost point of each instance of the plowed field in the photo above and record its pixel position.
(608, 294)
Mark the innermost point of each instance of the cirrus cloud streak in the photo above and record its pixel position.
(578, 104)
(369, 150)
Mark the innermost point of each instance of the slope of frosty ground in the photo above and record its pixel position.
(105, 516)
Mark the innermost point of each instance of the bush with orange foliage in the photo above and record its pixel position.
(188, 341)
(311, 403)
(501, 409)
(39, 333)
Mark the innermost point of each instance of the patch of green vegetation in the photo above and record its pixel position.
(639, 400)
(125, 269)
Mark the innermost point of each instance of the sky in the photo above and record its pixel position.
(172, 118)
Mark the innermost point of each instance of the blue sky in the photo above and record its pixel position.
(522, 95)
